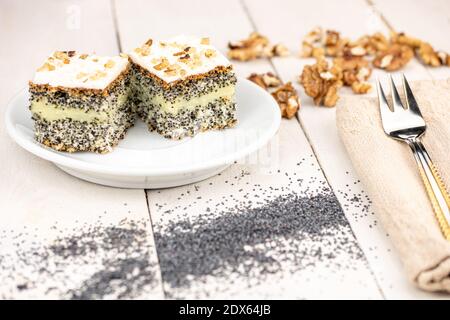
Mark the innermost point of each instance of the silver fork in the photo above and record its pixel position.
(406, 124)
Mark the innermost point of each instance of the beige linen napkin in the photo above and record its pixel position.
(388, 171)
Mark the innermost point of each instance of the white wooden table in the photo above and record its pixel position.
(245, 233)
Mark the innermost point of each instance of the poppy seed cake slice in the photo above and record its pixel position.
(79, 102)
(183, 86)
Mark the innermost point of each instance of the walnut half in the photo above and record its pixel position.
(321, 82)
(427, 55)
(255, 46)
(354, 68)
(287, 99)
(285, 94)
(361, 87)
(265, 80)
(394, 58)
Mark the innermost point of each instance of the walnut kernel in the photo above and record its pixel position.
(280, 50)
(265, 80)
(361, 87)
(321, 82)
(427, 55)
(46, 67)
(109, 64)
(287, 99)
(394, 58)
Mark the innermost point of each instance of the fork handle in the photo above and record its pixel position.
(435, 187)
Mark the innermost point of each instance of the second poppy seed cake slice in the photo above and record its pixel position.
(183, 86)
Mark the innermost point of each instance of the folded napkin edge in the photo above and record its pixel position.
(436, 278)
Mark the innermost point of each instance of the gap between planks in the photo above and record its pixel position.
(154, 242)
(380, 15)
(308, 138)
(115, 24)
(119, 47)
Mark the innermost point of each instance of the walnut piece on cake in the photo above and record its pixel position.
(183, 86)
(79, 102)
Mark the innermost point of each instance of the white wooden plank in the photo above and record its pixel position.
(426, 20)
(232, 236)
(62, 237)
(292, 21)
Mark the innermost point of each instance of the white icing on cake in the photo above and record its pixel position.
(202, 58)
(80, 70)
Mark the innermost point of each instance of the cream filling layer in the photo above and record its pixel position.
(52, 112)
(180, 103)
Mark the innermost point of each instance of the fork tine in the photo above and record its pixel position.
(396, 101)
(410, 100)
(382, 101)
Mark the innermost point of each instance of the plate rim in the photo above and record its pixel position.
(77, 164)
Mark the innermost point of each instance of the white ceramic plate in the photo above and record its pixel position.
(147, 160)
